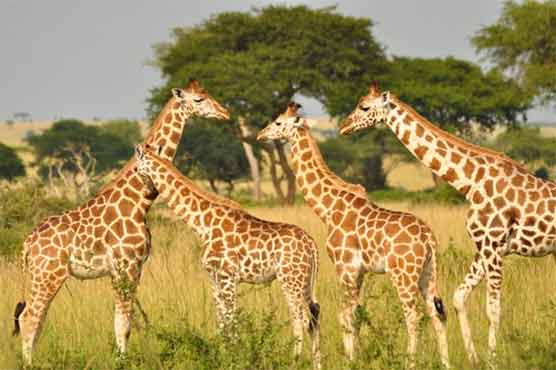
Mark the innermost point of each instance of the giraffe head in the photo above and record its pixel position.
(196, 101)
(372, 109)
(285, 125)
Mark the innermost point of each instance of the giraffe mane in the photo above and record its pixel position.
(474, 149)
(207, 195)
(352, 188)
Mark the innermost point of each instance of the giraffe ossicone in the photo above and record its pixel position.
(511, 211)
(363, 237)
(108, 235)
(241, 248)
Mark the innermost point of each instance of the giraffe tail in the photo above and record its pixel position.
(20, 306)
(432, 279)
(314, 307)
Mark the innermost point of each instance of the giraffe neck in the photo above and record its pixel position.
(195, 206)
(165, 132)
(459, 163)
(319, 185)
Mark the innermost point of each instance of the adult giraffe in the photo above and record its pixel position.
(108, 235)
(512, 211)
(241, 248)
(363, 237)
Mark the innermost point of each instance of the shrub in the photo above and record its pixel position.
(22, 207)
(11, 165)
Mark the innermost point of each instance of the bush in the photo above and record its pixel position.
(22, 207)
(11, 165)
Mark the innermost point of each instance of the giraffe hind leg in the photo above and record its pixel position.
(435, 309)
(33, 314)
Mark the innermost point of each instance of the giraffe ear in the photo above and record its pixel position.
(178, 93)
(139, 152)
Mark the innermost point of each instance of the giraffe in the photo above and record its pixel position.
(363, 237)
(240, 248)
(108, 235)
(511, 211)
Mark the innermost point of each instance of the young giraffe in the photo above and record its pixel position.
(107, 236)
(363, 237)
(239, 247)
(512, 211)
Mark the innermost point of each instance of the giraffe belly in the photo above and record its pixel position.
(533, 245)
(88, 270)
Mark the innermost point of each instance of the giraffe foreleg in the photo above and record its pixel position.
(494, 287)
(225, 298)
(351, 280)
(472, 279)
(122, 318)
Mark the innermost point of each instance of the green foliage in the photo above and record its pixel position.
(211, 152)
(255, 62)
(68, 140)
(21, 209)
(526, 144)
(456, 92)
(523, 42)
(542, 173)
(359, 158)
(11, 165)
(252, 344)
(128, 131)
(442, 193)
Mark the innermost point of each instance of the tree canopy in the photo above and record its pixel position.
(219, 158)
(453, 92)
(78, 153)
(11, 166)
(256, 62)
(523, 43)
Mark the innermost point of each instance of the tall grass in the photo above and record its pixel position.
(176, 294)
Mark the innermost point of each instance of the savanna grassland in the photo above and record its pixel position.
(176, 295)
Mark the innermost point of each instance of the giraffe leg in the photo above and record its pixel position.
(225, 297)
(31, 319)
(427, 285)
(304, 312)
(351, 280)
(122, 319)
(494, 288)
(407, 295)
(472, 279)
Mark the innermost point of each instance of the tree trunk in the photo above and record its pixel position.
(251, 159)
(269, 149)
(290, 176)
(213, 186)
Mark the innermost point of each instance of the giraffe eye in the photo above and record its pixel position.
(278, 123)
(364, 109)
(198, 100)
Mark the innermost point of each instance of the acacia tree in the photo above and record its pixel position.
(78, 154)
(522, 42)
(255, 63)
(455, 93)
